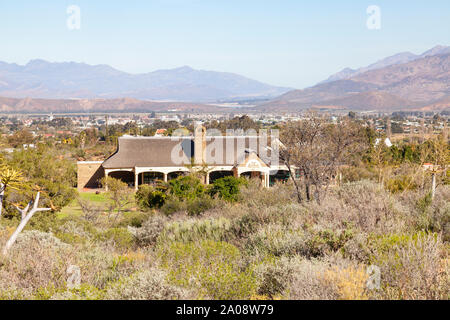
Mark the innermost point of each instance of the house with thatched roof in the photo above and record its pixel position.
(143, 160)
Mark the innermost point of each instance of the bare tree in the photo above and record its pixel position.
(26, 216)
(318, 149)
(118, 194)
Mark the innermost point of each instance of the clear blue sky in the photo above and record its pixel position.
(281, 42)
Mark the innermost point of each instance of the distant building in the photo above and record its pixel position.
(29, 146)
(387, 142)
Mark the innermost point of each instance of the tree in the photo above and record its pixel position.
(20, 138)
(55, 176)
(9, 178)
(118, 193)
(379, 158)
(318, 149)
(26, 215)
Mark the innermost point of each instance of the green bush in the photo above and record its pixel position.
(325, 242)
(227, 188)
(411, 266)
(199, 205)
(134, 219)
(148, 197)
(186, 188)
(120, 237)
(211, 267)
(353, 174)
(274, 240)
(73, 230)
(274, 277)
(44, 221)
(400, 183)
(147, 285)
(173, 205)
(196, 230)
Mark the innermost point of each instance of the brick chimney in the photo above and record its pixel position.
(199, 145)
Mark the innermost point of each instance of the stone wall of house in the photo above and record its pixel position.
(89, 174)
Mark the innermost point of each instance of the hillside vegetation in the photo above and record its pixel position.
(376, 232)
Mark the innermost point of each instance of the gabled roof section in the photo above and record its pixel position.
(151, 152)
(233, 150)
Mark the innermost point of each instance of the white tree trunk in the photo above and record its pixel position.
(25, 218)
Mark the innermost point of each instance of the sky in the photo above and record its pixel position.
(290, 43)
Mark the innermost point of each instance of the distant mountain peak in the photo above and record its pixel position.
(439, 49)
(184, 68)
(399, 58)
(37, 62)
(398, 86)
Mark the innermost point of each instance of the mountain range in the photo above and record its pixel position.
(42, 79)
(399, 58)
(404, 81)
(401, 82)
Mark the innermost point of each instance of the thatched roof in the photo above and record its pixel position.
(178, 151)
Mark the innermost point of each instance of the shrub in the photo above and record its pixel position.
(400, 183)
(75, 230)
(36, 260)
(186, 188)
(325, 242)
(148, 197)
(147, 285)
(211, 267)
(85, 292)
(91, 211)
(119, 237)
(99, 265)
(197, 230)
(45, 221)
(254, 196)
(199, 205)
(173, 205)
(275, 240)
(411, 266)
(362, 206)
(308, 284)
(354, 174)
(274, 277)
(149, 232)
(316, 280)
(227, 188)
(134, 219)
(434, 215)
(349, 283)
